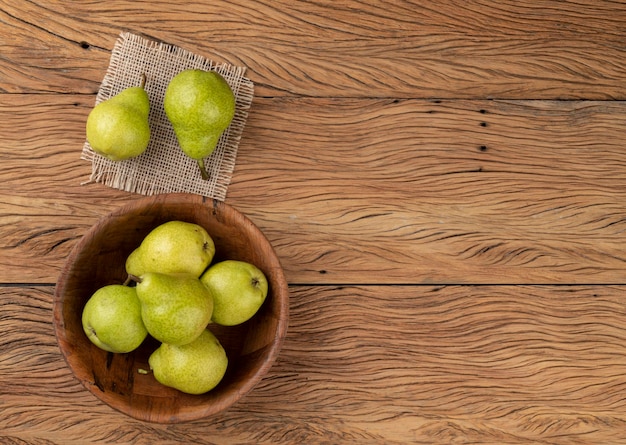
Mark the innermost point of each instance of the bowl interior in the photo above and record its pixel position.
(99, 258)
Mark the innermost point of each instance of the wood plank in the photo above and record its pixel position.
(418, 191)
(374, 364)
(443, 48)
(396, 191)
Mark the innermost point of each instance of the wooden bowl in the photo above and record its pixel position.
(99, 258)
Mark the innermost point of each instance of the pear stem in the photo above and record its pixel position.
(203, 172)
(130, 278)
(143, 80)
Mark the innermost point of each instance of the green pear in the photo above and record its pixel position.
(175, 308)
(118, 128)
(112, 319)
(173, 247)
(194, 368)
(238, 289)
(200, 105)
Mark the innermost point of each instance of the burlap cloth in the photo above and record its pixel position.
(164, 168)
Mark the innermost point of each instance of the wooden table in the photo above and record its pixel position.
(444, 182)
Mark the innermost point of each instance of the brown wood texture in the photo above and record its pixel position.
(413, 191)
(444, 48)
(368, 364)
(444, 183)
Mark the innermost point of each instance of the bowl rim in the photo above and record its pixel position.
(217, 207)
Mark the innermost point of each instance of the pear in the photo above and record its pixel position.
(173, 247)
(118, 128)
(238, 289)
(194, 368)
(112, 320)
(175, 308)
(200, 105)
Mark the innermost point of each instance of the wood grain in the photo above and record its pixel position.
(367, 364)
(495, 191)
(444, 183)
(443, 48)
(363, 191)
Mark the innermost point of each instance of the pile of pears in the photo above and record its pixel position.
(199, 104)
(173, 293)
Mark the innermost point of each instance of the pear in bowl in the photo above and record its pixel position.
(119, 380)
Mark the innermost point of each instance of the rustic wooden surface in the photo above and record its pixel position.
(444, 182)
